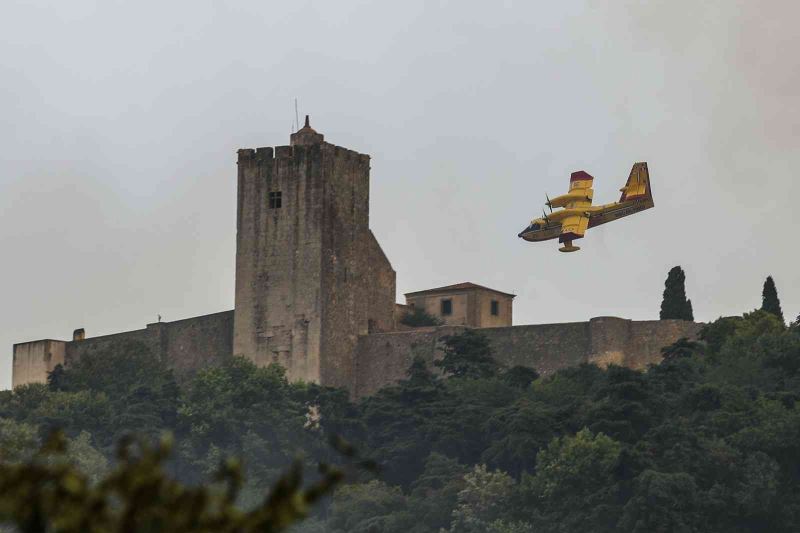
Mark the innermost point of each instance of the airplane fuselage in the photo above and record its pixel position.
(541, 229)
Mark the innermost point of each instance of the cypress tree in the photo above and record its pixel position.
(688, 313)
(769, 299)
(675, 305)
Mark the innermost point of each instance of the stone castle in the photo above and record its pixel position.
(316, 293)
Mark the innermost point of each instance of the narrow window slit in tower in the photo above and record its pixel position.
(275, 200)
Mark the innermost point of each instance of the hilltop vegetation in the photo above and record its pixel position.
(708, 440)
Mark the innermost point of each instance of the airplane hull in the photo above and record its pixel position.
(623, 209)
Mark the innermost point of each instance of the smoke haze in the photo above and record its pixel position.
(121, 121)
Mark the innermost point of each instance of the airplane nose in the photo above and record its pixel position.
(526, 230)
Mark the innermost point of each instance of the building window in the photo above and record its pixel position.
(495, 308)
(447, 307)
(275, 200)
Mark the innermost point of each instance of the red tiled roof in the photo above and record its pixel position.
(458, 287)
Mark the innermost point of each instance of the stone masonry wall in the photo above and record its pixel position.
(545, 347)
(345, 263)
(187, 345)
(381, 289)
(310, 276)
(381, 358)
(384, 358)
(278, 258)
(33, 360)
(648, 337)
(196, 343)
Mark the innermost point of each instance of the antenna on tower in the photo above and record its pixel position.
(296, 115)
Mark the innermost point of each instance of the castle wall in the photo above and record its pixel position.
(380, 359)
(648, 337)
(195, 343)
(545, 347)
(384, 358)
(400, 311)
(110, 343)
(609, 341)
(382, 288)
(33, 360)
(187, 345)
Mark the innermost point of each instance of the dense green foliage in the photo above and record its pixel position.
(49, 493)
(769, 299)
(706, 441)
(674, 304)
(417, 317)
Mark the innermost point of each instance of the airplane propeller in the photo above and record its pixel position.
(548, 204)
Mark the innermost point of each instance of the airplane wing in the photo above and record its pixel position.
(575, 220)
(573, 227)
(580, 192)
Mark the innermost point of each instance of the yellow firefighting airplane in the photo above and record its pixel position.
(579, 214)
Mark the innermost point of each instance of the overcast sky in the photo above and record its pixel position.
(120, 121)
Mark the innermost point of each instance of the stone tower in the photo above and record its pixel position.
(310, 276)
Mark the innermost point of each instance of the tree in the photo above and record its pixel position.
(18, 440)
(482, 501)
(683, 347)
(468, 356)
(369, 507)
(400, 421)
(239, 409)
(717, 333)
(520, 376)
(86, 457)
(675, 305)
(138, 387)
(574, 481)
(417, 317)
(769, 299)
(434, 494)
(518, 432)
(662, 503)
(114, 372)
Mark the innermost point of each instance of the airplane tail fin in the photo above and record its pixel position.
(638, 184)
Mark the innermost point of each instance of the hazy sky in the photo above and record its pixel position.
(120, 121)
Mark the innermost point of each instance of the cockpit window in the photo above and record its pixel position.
(535, 226)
